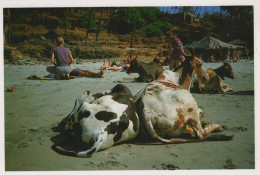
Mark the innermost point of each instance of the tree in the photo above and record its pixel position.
(66, 22)
(241, 17)
(187, 9)
(89, 21)
(9, 26)
(99, 24)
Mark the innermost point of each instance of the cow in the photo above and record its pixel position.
(168, 110)
(215, 84)
(147, 71)
(102, 119)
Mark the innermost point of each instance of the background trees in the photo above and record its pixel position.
(226, 22)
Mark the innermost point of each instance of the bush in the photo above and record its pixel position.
(51, 22)
(17, 38)
(94, 54)
(51, 35)
(157, 29)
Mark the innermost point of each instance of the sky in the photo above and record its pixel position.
(209, 9)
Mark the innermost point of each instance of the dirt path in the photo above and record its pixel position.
(36, 106)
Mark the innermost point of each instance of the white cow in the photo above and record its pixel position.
(167, 108)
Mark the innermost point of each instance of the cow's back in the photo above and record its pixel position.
(151, 70)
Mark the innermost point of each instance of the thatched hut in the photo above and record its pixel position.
(211, 46)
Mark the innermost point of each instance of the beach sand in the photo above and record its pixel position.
(38, 105)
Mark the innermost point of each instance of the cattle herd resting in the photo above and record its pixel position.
(165, 109)
(215, 83)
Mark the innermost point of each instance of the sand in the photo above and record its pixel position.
(38, 105)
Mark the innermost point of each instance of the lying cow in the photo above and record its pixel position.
(103, 119)
(215, 83)
(147, 71)
(167, 108)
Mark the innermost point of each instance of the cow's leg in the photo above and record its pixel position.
(139, 79)
(225, 87)
(200, 87)
(209, 128)
(219, 88)
(202, 133)
(97, 144)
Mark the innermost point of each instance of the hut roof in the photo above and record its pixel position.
(212, 43)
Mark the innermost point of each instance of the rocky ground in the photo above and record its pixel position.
(36, 106)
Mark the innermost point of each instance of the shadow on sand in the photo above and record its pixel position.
(248, 92)
(68, 145)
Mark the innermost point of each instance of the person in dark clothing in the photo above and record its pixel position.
(62, 58)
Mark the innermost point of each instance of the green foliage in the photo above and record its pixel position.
(85, 19)
(129, 19)
(51, 22)
(157, 28)
(241, 16)
(187, 9)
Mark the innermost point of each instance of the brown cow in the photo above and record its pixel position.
(215, 83)
(147, 71)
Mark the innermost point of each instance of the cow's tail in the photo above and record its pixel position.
(153, 133)
(61, 151)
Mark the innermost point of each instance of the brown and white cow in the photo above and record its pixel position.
(215, 84)
(103, 119)
(147, 71)
(167, 108)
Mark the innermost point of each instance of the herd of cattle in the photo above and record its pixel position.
(164, 109)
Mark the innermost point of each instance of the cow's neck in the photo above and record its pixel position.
(185, 79)
(220, 71)
(186, 82)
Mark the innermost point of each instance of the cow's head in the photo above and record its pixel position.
(134, 66)
(196, 64)
(71, 122)
(227, 71)
(190, 67)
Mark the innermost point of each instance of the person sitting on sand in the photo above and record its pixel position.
(86, 73)
(63, 58)
(122, 66)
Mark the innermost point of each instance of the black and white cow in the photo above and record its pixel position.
(103, 119)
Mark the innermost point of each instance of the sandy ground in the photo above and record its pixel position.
(38, 105)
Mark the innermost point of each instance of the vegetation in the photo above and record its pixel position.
(132, 25)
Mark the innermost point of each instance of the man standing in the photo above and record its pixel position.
(63, 58)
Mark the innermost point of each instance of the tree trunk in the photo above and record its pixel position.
(99, 24)
(133, 33)
(118, 21)
(9, 26)
(66, 22)
(89, 20)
